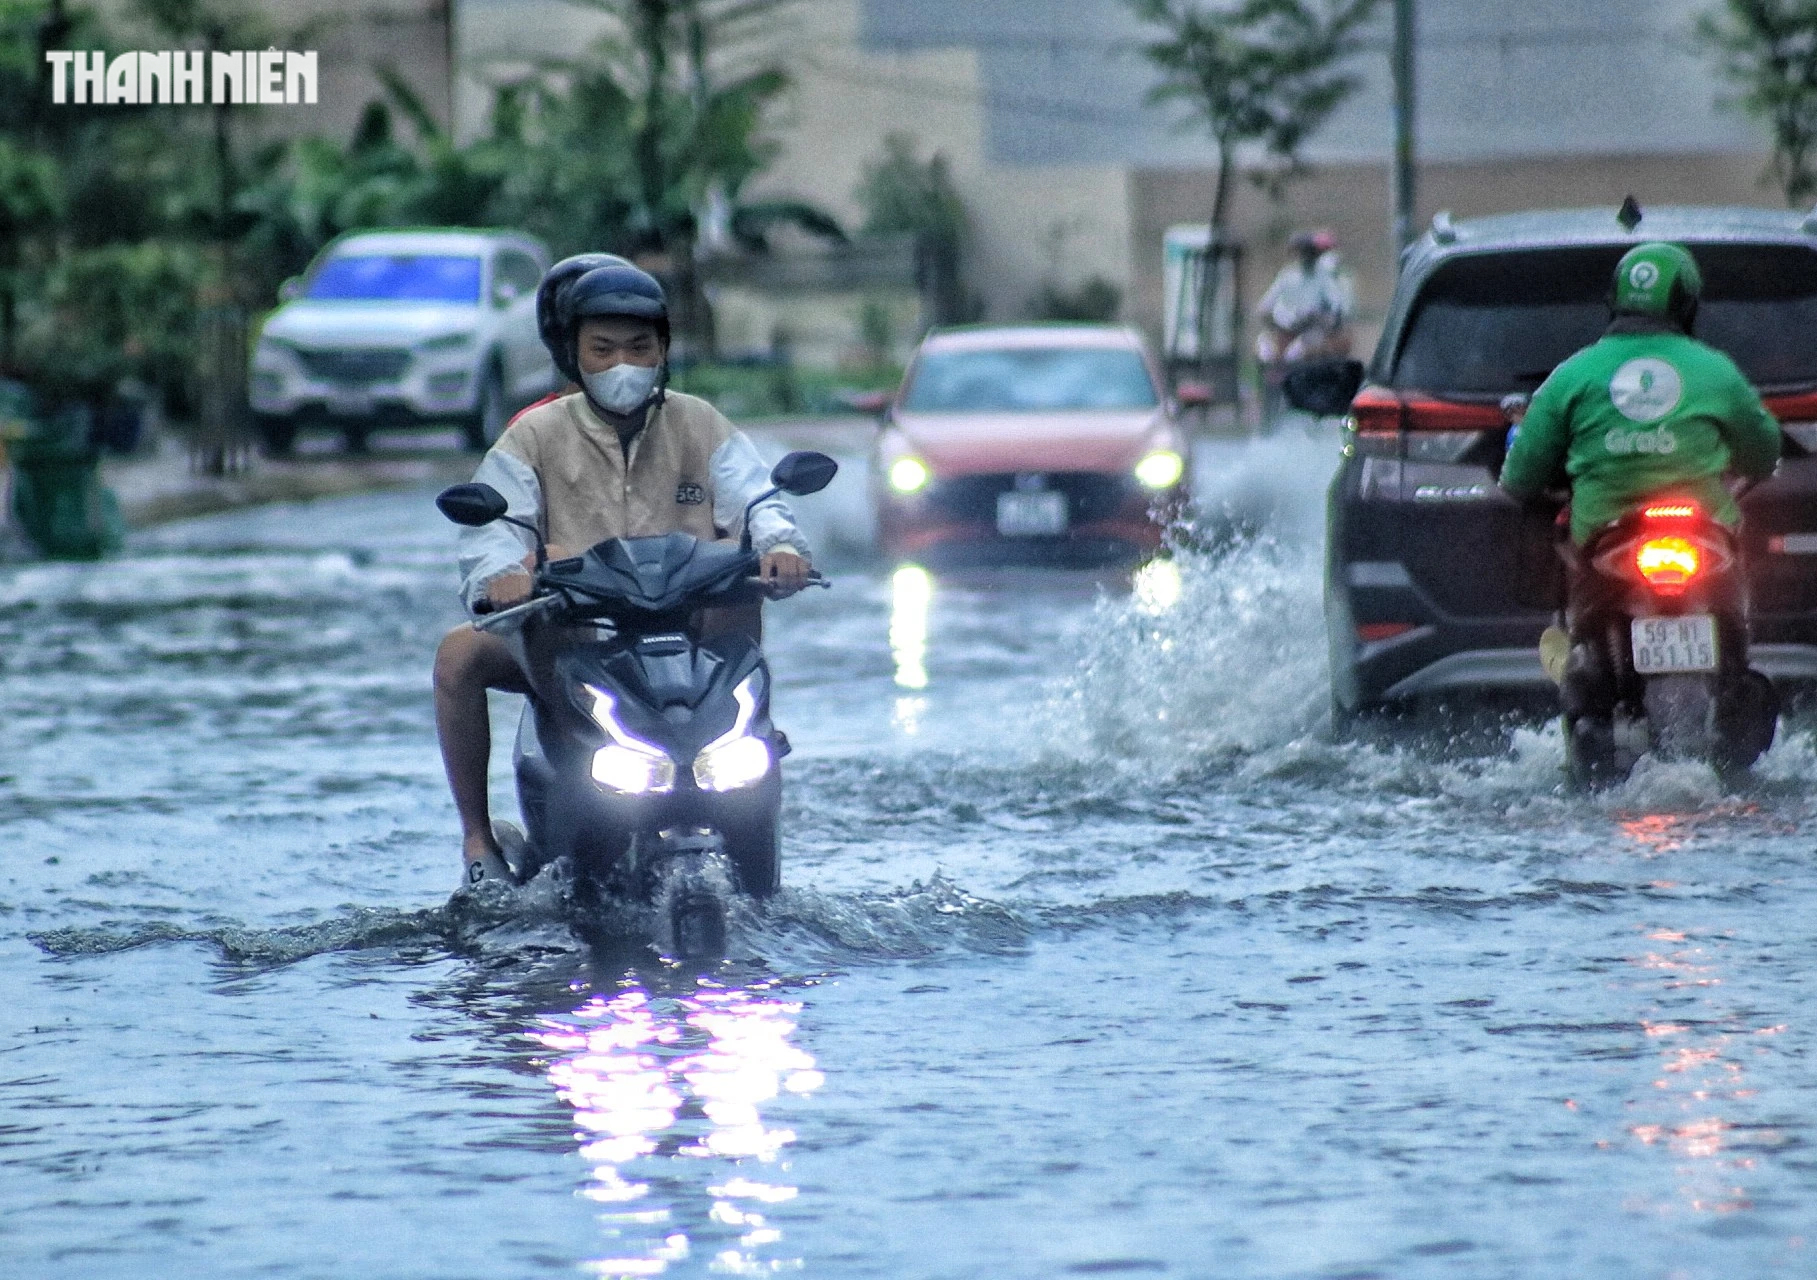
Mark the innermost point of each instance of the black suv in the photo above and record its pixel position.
(1435, 580)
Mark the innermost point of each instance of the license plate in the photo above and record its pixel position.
(1028, 515)
(1663, 645)
(349, 402)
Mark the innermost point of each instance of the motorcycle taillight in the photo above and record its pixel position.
(1669, 563)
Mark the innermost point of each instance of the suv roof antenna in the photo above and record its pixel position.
(1629, 214)
(1443, 229)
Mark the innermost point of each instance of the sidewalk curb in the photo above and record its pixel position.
(161, 489)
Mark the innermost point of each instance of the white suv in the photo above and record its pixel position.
(404, 328)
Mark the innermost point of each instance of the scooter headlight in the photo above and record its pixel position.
(737, 758)
(632, 773)
(730, 765)
(627, 764)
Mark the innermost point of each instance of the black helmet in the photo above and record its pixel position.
(553, 319)
(593, 284)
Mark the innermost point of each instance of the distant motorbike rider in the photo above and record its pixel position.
(1306, 312)
(1646, 411)
(625, 456)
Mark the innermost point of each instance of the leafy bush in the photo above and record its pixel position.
(763, 390)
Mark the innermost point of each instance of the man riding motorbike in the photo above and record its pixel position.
(1645, 412)
(1305, 314)
(623, 457)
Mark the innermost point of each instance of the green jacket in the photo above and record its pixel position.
(1636, 416)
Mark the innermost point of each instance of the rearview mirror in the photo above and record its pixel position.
(803, 471)
(1323, 387)
(472, 504)
(291, 289)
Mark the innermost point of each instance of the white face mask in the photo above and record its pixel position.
(624, 388)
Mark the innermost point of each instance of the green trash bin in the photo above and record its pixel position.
(57, 495)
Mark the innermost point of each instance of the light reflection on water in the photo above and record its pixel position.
(911, 595)
(1701, 1075)
(656, 1078)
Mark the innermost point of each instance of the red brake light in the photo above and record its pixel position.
(1668, 564)
(1377, 411)
(1370, 632)
(1427, 414)
(1670, 511)
(1381, 411)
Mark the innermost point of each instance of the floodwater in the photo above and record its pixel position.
(1097, 957)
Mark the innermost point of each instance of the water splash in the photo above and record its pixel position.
(1230, 660)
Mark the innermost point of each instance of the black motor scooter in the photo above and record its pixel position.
(1661, 661)
(646, 756)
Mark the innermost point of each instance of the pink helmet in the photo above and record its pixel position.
(1322, 240)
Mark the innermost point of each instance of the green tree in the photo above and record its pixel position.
(31, 204)
(902, 194)
(1258, 72)
(1768, 48)
(686, 92)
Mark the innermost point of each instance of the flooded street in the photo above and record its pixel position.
(1095, 955)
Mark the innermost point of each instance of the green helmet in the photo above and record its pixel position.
(1657, 279)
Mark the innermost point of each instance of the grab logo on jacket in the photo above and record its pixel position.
(1646, 389)
(1658, 440)
(689, 494)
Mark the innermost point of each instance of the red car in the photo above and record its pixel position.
(1030, 442)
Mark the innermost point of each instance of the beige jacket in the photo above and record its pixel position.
(561, 467)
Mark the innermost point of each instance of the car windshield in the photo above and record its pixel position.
(1488, 324)
(1030, 380)
(397, 277)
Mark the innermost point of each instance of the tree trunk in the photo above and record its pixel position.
(8, 323)
(1220, 193)
(653, 35)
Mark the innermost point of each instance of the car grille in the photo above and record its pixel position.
(1090, 495)
(355, 364)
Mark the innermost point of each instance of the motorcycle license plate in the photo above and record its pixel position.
(1665, 645)
(1029, 515)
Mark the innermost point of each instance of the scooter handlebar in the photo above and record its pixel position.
(814, 579)
(516, 613)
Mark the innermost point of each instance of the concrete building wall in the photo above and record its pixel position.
(1063, 81)
(1030, 224)
(1038, 107)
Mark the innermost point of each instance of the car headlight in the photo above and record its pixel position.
(627, 764)
(446, 343)
(909, 475)
(736, 758)
(1160, 469)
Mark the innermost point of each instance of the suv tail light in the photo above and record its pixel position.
(1378, 415)
(1376, 411)
(1427, 413)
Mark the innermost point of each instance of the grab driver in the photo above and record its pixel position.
(1645, 411)
(625, 456)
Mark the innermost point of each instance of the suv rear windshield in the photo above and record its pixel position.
(1489, 324)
